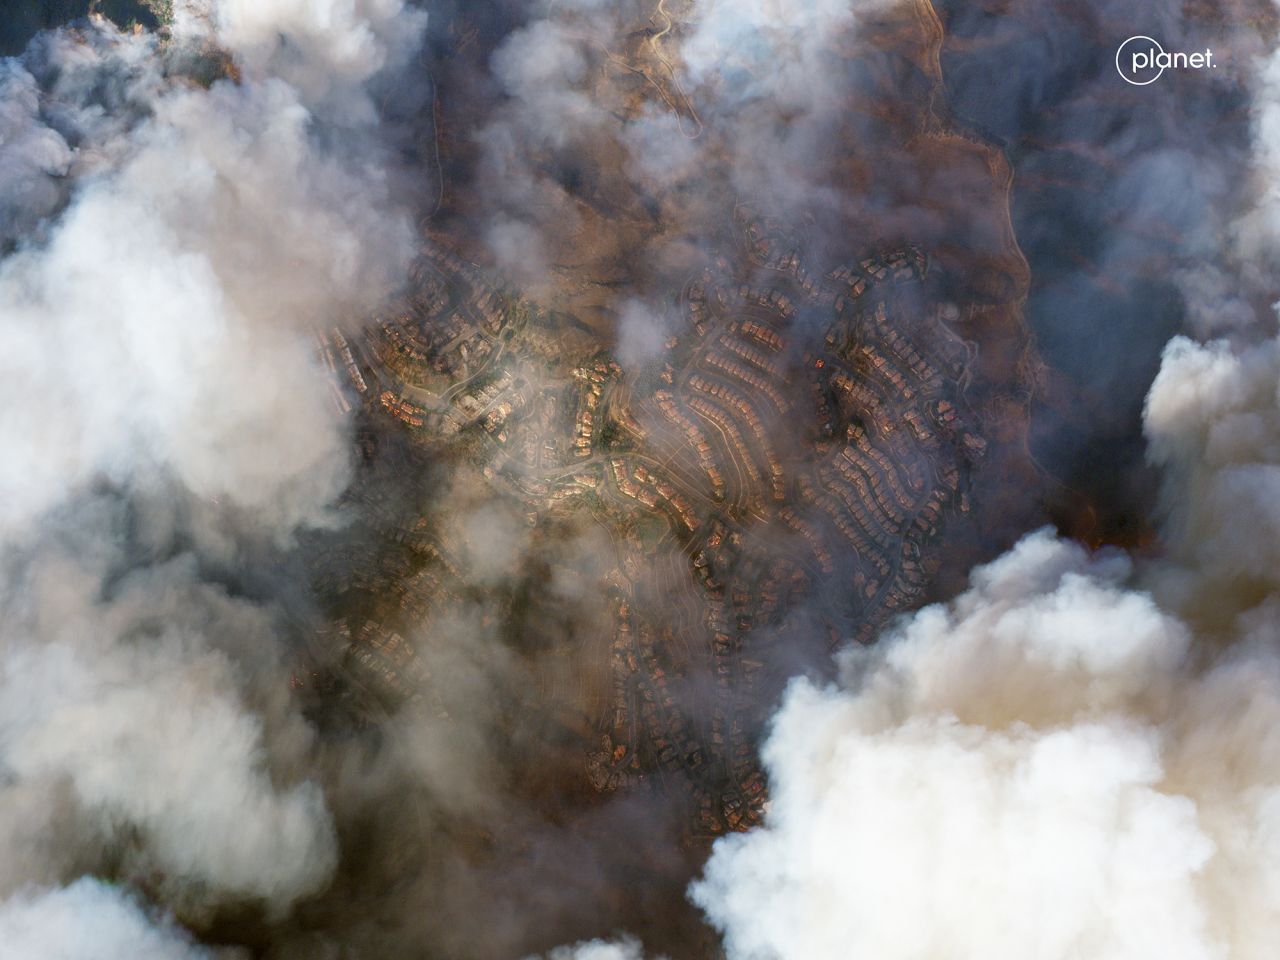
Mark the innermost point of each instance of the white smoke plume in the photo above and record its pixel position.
(136, 706)
(1255, 238)
(1076, 757)
(175, 240)
(637, 109)
(1213, 421)
(88, 920)
(1037, 768)
(773, 76)
(1054, 764)
(165, 323)
(325, 50)
(624, 949)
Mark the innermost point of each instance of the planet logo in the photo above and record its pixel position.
(1141, 60)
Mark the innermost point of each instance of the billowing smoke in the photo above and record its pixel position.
(135, 707)
(1128, 205)
(32, 156)
(1040, 767)
(1213, 421)
(182, 212)
(89, 920)
(197, 231)
(1075, 756)
(775, 79)
(625, 949)
(625, 133)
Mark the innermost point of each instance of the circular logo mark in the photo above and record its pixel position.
(1137, 57)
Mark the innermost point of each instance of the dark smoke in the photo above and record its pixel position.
(204, 528)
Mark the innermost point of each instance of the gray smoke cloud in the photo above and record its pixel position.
(147, 710)
(183, 212)
(32, 156)
(1057, 744)
(775, 77)
(1128, 204)
(626, 133)
(1076, 754)
(208, 239)
(326, 51)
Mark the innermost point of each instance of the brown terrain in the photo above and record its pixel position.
(815, 447)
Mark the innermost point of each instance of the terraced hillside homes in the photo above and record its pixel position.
(770, 485)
